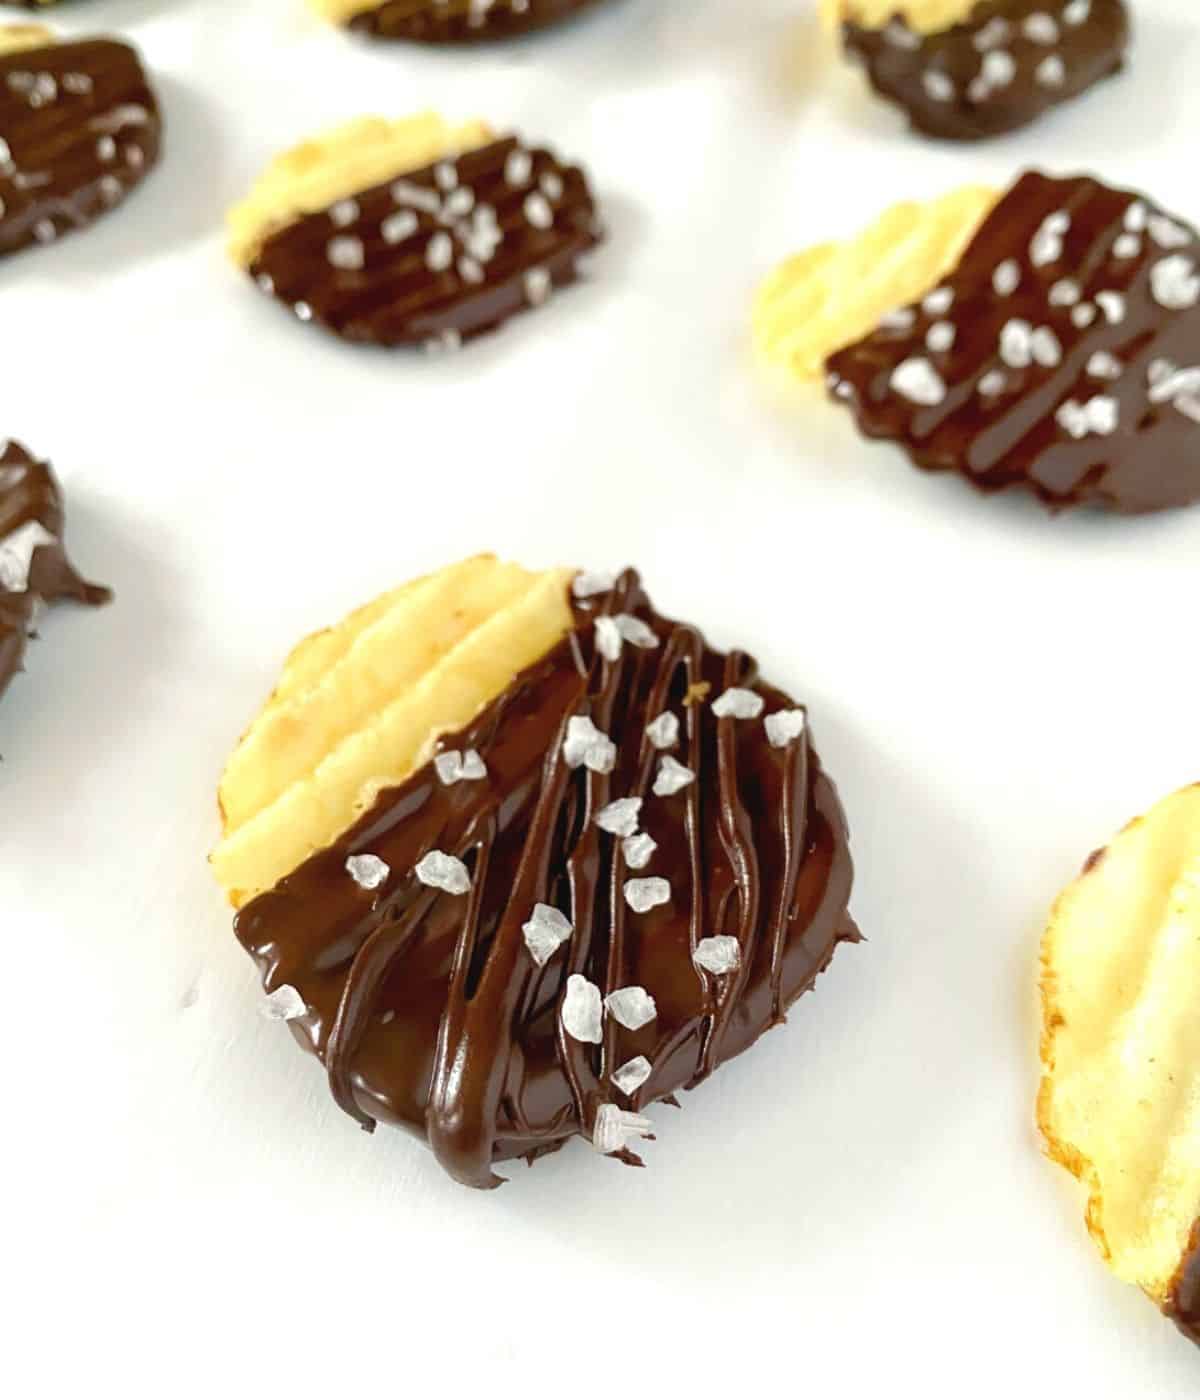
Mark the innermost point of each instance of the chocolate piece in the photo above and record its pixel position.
(1062, 354)
(1183, 1306)
(463, 21)
(1006, 64)
(439, 255)
(33, 560)
(429, 1008)
(79, 128)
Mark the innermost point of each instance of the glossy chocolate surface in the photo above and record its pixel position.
(1002, 68)
(463, 21)
(30, 500)
(1183, 1306)
(1063, 354)
(79, 128)
(428, 1009)
(436, 256)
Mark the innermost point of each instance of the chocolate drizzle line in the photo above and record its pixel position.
(29, 494)
(1065, 377)
(428, 1009)
(1005, 65)
(79, 128)
(463, 21)
(439, 255)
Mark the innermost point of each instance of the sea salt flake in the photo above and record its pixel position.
(615, 1129)
(1104, 365)
(939, 301)
(455, 767)
(638, 850)
(897, 33)
(1064, 293)
(344, 212)
(718, 955)
(1016, 344)
(631, 1007)
(283, 1004)
(367, 871)
(1051, 72)
(537, 210)
(1127, 245)
(620, 818)
(1078, 12)
(902, 319)
(587, 746)
(551, 185)
(940, 337)
(647, 893)
(1041, 28)
(302, 311)
(992, 383)
(1083, 315)
(1113, 306)
(443, 872)
(538, 286)
(917, 381)
(473, 766)
(16, 554)
(346, 253)
(632, 1075)
(439, 252)
(445, 176)
(1174, 283)
(997, 31)
(1136, 217)
(1168, 234)
(784, 726)
(738, 703)
(589, 585)
(663, 732)
(608, 638)
(518, 168)
(998, 69)
(1006, 278)
(1100, 415)
(1167, 382)
(582, 1010)
(938, 86)
(1046, 247)
(636, 632)
(418, 196)
(1047, 351)
(545, 931)
(672, 777)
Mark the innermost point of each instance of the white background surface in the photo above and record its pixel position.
(858, 1205)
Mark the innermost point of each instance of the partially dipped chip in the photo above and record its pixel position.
(1120, 1099)
(966, 69)
(79, 129)
(1060, 351)
(414, 232)
(526, 934)
(34, 568)
(448, 21)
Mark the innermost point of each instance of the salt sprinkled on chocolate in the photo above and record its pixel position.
(938, 86)
(443, 872)
(718, 955)
(638, 850)
(1166, 233)
(582, 1010)
(455, 767)
(632, 1075)
(620, 818)
(1113, 306)
(545, 931)
(636, 632)
(663, 732)
(1174, 283)
(1104, 365)
(590, 584)
(367, 871)
(784, 726)
(940, 337)
(16, 554)
(586, 745)
(646, 894)
(1064, 292)
(1041, 28)
(631, 1007)
(1007, 277)
(939, 301)
(917, 380)
(994, 33)
(608, 638)
(672, 777)
(1099, 416)
(738, 703)
(283, 1004)
(616, 1128)
(902, 319)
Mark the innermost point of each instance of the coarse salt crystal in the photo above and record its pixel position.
(631, 1007)
(615, 1129)
(545, 931)
(672, 777)
(16, 554)
(1127, 245)
(284, 1004)
(938, 86)
(1016, 344)
(1041, 28)
(454, 767)
(939, 301)
(620, 818)
(638, 850)
(589, 585)
(1113, 306)
(940, 337)
(1007, 277)
(1064, 293)
(647, 893)
(1045, 347)
(585, 744)
(1174, 283)
(367, 871)
(917, 381)
(1104, 365)
(718, 955)
(738, 703)
(443, 872)
(784, 726)
(663, 732)
(582, 1010)
(608, 638)
(632, 1075)
(1166, 233)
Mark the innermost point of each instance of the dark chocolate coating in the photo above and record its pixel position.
(428, 1010)
(366, 268)
(79, 128)
(1183, 1306)
(463, 21)
(1090, 407)
(1005, 65)
(28, 493)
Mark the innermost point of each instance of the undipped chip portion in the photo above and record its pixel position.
(1120, 1100)
(316, 174)
(923, 16)
(360, 706)
(18, 38)
(824, 299)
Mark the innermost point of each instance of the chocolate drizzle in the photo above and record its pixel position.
(462, 21)
(1000, 69)
(30, 499)
(79, 128)
(428, 1009)
(438, 255)
(1063, 354)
